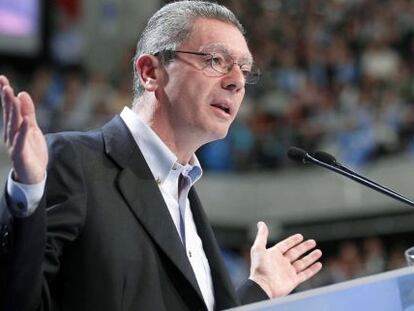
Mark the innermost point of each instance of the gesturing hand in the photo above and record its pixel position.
(282, 267)
(22, 136)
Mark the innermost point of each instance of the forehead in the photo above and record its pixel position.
(208, 34)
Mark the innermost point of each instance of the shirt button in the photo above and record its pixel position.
(189, 254)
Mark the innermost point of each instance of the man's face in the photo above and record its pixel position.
(199, 103)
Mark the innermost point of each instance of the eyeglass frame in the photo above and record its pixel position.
(251, 76)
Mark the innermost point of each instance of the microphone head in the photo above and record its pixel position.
(325, 158)
(297, 154)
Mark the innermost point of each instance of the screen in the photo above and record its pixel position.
(20, 26)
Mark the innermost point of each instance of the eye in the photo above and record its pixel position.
(246, 70)
(218, 61)
(246, 73)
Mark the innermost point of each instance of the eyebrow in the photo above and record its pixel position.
(216, 47)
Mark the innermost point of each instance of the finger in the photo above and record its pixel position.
(297, 251)
(309, 272)
(27, 107)
(6, 97)
(15, 120)
(261, 238)
(307, 260)
(289, 242)
(3, 81)
(8, 100)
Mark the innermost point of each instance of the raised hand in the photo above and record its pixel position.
(23, 138)
(282, 267)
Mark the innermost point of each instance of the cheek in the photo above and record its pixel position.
(197, 96)
(188, 89)
(240, 101)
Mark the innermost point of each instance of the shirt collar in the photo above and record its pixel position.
(161, 160)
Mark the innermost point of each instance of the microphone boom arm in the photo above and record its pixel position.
(358, 178)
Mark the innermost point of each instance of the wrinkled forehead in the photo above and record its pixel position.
(209, 35)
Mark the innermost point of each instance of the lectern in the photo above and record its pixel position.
(388, 291)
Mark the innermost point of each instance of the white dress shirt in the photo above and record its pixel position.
(166, 171)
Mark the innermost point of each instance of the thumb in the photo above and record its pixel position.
(262, 235)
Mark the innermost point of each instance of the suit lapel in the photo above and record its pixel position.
(224, 293)
(143, 196)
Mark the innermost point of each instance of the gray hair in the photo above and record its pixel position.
(170, 26)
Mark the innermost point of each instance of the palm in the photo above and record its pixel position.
(282, 267)
(24, 140)
(29, 155)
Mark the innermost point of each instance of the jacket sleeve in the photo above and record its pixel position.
(30, 260)
(21, 261)
(251, 292)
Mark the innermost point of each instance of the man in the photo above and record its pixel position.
(116, 224)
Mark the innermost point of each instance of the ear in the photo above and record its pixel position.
(146, 66)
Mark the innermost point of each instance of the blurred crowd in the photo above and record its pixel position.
(344, 260)
(71, 99)
(337, 76)
(357, 258)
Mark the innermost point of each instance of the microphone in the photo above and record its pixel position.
(329, 162)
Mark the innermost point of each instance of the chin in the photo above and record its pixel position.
(219, 133)
(211, 132)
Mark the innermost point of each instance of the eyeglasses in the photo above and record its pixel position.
(221, 63)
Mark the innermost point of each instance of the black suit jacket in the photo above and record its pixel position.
(102, 237)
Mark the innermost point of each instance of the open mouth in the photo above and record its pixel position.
(222, 107)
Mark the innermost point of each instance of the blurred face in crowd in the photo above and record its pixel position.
(197, 102)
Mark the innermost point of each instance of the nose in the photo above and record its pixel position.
(234, 80)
